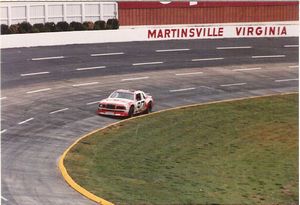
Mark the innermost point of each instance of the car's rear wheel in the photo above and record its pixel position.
(131, 111)
(149, 107)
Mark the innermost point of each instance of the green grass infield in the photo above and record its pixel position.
(239, 152)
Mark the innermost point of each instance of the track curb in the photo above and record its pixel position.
(102, 201)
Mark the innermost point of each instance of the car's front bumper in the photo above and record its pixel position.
(112, 112)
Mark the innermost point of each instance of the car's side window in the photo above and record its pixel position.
(138, 97)
(143, 96)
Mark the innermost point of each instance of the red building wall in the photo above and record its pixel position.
(156, 13)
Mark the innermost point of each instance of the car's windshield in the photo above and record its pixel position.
(124, 95)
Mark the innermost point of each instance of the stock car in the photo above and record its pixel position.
(126, 103)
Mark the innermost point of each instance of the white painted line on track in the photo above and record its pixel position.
(230, 48)
(207, 59)
(293, 66)
(20, 123)
(172, 50)
(181, 90)
(286, 80)
(291, 46)
(207, 87)
(183, 74)
(106, 54)
(85, 84)
(246, 69)
(90, 68)
(37, 91)
(147, 63)
(56, 111)
(3, 98)
(233, 84)
(270, 56)
(47, 58)
(38, 73)
(131, 79)
(92, 103)
(3, 198)
(2, 131)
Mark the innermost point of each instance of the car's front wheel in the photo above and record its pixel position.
(131, 111)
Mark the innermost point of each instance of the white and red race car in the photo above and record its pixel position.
(126, 103)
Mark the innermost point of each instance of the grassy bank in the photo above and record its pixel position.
(241, 152)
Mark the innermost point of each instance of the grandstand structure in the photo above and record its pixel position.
(138, 13)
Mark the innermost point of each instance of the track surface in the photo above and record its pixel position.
(49, 96)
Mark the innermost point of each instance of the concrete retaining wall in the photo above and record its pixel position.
(164, 32)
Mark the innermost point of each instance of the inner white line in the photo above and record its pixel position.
(271, 56)
(85, 84)
(4, 198)
(47, 58)
(147, 63)
(210, 88)
(181, 90)
(234, 84)
(173, 50)
(36, 91)
(90, 68)
(293, 66)
(240, 47)
(106, 54)
(246, 69)
(56, 111)
(194, 73)
(38, 73)
(207, 59)
(2, 131)
(129, 79)
(291, 46)
(286, 80)
(91, 103)
(20, 123)
(3, 98)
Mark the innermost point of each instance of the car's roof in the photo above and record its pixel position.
(128, 91)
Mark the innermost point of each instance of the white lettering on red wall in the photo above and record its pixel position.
(192, 3)
(217, 32)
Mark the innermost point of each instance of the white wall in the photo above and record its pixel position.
(180, 32)
(41, 12)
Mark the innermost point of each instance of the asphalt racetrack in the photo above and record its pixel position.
(49, 96)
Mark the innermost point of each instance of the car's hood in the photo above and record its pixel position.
(116, 101)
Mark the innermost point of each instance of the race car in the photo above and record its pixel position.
(126, 103)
